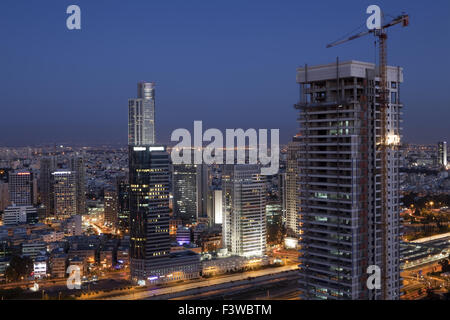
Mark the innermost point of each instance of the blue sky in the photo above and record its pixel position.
(229, 63)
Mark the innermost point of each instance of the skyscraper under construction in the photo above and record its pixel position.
(349, 181)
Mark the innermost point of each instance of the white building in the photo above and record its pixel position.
(141, 116)
(244, 218)
(292, 188)
(218, 207)
(40, 267)
(18, 214)
(442, 153)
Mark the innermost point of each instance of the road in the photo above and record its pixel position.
(50, 283)
(415, 287)
(136, 294)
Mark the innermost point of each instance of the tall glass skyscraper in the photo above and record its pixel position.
(141, 116)
(149, 211)
(123, 204)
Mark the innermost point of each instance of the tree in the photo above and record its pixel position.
(445, 264)
(19, 267)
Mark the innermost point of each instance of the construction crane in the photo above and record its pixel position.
(383, 101)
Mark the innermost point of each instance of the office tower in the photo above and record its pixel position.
(64, 194)
(442, 153)
(274, 213)
(78, 167)
(217, 218)
(21, 188)
(111, 206)
(14, 215)
(141, 116)
(123, 204)
(349, 181)
(149, 211)
(244, 218)
(292, 188)
(47, 166)
(190, 191)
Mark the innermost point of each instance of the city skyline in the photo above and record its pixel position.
(169, 193)
(197, 75)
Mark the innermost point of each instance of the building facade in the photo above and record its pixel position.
(349, 181)
(244, 216)
(149, 211)
(47, 166)
(292, 188)
(123, 204)
(20, 188)
(111, 206)
(78, 167)
(14, 215)
(141, 116)
(442, 154)
(64, 194)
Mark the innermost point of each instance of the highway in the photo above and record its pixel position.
(203, 284)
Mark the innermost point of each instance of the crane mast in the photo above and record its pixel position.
(383, 101)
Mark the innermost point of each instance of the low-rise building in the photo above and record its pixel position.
(33, 249)
(106, 258)
(58, 265)
(40, 267)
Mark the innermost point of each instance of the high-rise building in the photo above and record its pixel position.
(64, 193)
(123, 204)
(149, 177)
(79, 169)
(217, 206)
(111, 206)
(20, 188)
(47, 166)
(292, 188)
(442, 153)
(244, 214)
(190, 191)
(141, 116)
(349, 181)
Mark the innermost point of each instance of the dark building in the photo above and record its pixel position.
(4, 174)
(77, 165)
(123, 204)
(111, 206)
(47, 166)
(149, 211)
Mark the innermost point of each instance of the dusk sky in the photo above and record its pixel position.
(229, 63)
